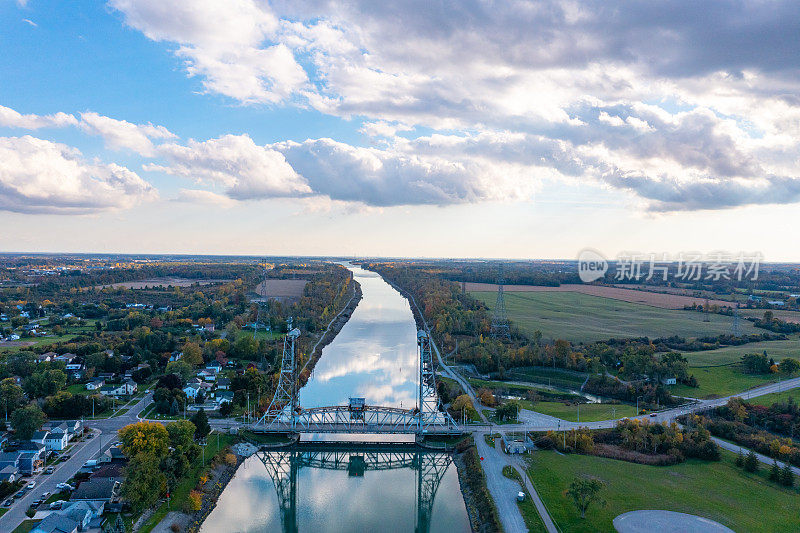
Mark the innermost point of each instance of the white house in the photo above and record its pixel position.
(191, 391)
(224, 396)
(57, 440)
(120, 389)
(207, 375)
(95, 384)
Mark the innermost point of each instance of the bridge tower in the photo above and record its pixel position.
(500, 329)
(428, 400)
(283, 467)
(285, 403)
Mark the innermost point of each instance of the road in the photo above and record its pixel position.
(504, 490)
(762, 458)
(104, 434)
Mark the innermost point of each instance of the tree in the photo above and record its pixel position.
(144, 437)
(775, 471)
(740, 459)
(200, 420)
(226, 408)
(200, 398)
(45, 383)
(192, 354)
(144, 480)
(181, 368)
(11, 395)
(181, 436)
(507, 411)
(751, 462)
(27, 421)
(584, 492)
(787, 476)
(790, 365)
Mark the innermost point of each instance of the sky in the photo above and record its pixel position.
(506, 129)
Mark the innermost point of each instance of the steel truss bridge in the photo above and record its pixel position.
(285, 415)
(283, 466)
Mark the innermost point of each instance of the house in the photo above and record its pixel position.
(207, 375)
(224, 396)
(13, 337)
(57, 439)
(223, 383)
(40, 436)
(669, 381)
(9, 459)
(209, 327)
(175, 356)
(9, 473)
(95, 384)
(45, 357)
(214, 366)
(192, 390)
(65, 358)
(31, 461)
(779, 303)
(97, 489)
(110, 470)
(74, 428)
(80, 512)
(56, 523)
(514, 446)
(119, 389)
(95, 508)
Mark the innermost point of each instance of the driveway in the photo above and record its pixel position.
(503, 490)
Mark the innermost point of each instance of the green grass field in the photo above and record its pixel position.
(732, 354)
(584, 318)
(589, 412)
(775, 397)
(715, 490)
(716, 381)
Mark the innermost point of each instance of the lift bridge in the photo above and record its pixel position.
(285, 415)
(283, 466)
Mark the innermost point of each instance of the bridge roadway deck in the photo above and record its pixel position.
(286, 427)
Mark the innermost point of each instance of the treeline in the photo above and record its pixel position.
(637, 442)
(767, 430)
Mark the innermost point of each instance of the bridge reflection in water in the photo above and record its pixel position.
(283, 466)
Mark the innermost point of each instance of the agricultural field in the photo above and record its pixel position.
(716, 490)
(585, 318)
(161, 282)
(282, 288)
(655, 299)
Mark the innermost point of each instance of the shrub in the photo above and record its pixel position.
(751, 462)
(195, 500)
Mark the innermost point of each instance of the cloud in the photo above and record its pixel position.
(120, 134)
(199, 196)
(245, 170)
(40, 176)
(229, 45)
(32, 23)
(13, 119)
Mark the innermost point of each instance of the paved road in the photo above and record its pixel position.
(762, 458)
(504, 490)
(104, 434)
(521, 466)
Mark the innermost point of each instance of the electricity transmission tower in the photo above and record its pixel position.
(500, 329)
(706, 318)
(263, 305)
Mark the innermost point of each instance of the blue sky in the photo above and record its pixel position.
(519, 129)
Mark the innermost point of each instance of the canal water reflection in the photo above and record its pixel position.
(357, 487)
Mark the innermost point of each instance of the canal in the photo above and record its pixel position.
(358, 488)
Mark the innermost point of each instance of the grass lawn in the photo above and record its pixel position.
(181, 493)
(775, 397)
(733, 354)
(716, 490)
(526, 507)
(26, 526)
(716, 381)
(584, 318)
(589, 412)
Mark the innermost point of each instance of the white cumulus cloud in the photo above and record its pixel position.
(40, 176)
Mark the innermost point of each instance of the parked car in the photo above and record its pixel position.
(49, 470)
(30, 485)
(45, 495)
(57, 505)
(8, 503)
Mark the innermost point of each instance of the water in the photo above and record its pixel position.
(356, 489)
